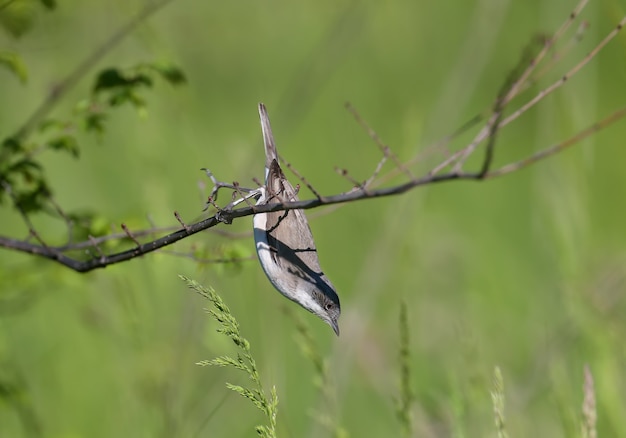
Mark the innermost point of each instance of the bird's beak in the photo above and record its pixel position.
(335, 325)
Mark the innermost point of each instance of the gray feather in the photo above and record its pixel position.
(292, 264)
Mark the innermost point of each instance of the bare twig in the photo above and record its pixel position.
(96, 246)
(301, 178)
(213, 261)
(356, 184)
(545, 153)
(560, 82)
(558, 56)
(180, 221)
(386, 150)
(518, 84)
(548, 44)
(130, 235)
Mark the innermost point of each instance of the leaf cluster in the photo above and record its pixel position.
(22, 168)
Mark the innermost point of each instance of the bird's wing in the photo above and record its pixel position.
(288, 231)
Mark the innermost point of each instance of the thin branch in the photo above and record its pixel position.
(519, 84)
(227, 216)
(356, 185)
(130, 235)
(558, 56)
(180, 220)
(548, 44)
(386, 150)
(300, 177)
(94, 241)
(545, 153)
(560, 82)
(375, 137)
(214, 261)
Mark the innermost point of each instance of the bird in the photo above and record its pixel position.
(284, 242)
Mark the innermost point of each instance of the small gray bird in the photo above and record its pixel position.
(284, 242)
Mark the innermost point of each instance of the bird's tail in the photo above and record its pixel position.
(268, 138)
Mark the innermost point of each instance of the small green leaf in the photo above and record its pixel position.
(94, 122)
(171, 73)
(23, 165)
(34, 199)
(12, 145)
(114, 78)
(50, 124)
(17, 17)
(83, 105)
(65, 143)
(49, 4)
(119, 98)
(101, 226)
(29, 170)
(109, 78)
(86, 224)
(13, 62)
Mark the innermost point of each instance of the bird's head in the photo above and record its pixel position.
(321, 299)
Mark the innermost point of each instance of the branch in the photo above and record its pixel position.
(495, 121)
(228, 216)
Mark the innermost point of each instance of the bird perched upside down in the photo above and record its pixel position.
(285, 245)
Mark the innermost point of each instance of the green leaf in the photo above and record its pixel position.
(13, 62)
(13, 145)
(25, 164)
(33, 200)
(171, 73)
(29, 170)
(65, 143)
(17, 17)
(109, 78)
(94, 122)
(49, 124)
(114, 78)
(117, 99)
(49, 4)
(86, 224)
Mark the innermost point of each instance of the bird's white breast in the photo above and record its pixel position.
(263, 250)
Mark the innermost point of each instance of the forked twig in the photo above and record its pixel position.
(518, 85)
(545, 153)
(386, 150)
(560, 82)
(298, 175)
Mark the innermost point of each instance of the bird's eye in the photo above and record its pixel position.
(328, 306)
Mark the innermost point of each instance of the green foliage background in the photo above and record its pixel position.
(526, 272)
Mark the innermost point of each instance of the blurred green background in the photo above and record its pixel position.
(525, 272)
